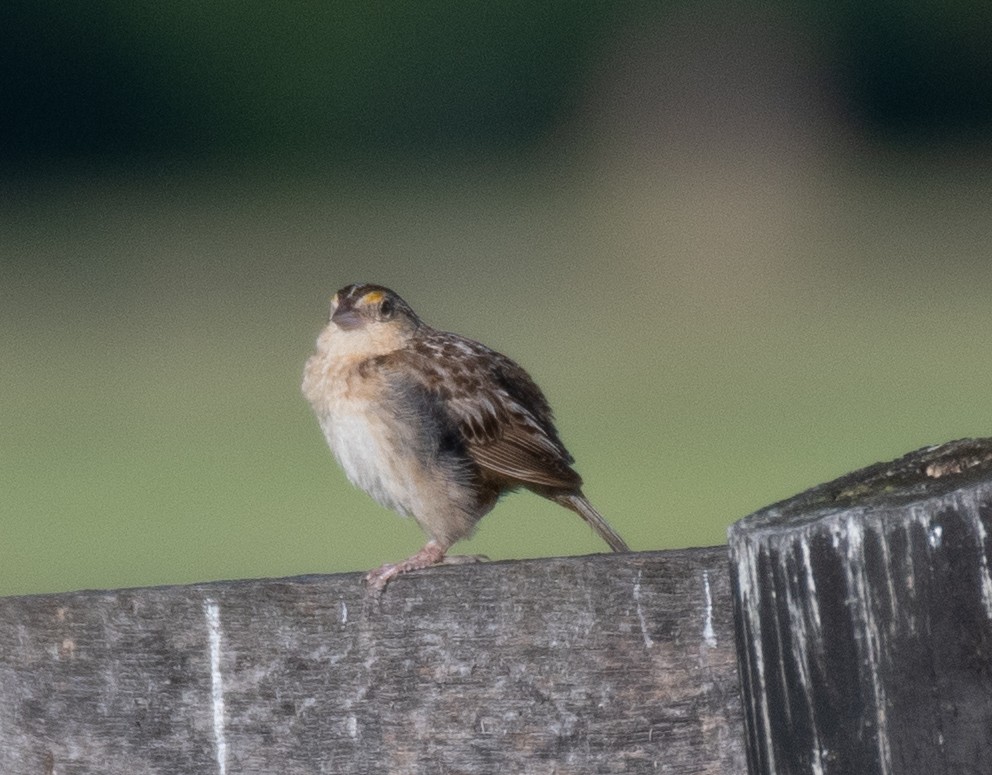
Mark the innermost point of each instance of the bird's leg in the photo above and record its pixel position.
(432, 554)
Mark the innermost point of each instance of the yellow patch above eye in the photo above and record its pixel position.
(373, 297)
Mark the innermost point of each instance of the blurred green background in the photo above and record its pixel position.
(744, 248)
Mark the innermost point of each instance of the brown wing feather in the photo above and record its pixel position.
(519, 463)
(503, 417)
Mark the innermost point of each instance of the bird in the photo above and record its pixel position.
(433, 425)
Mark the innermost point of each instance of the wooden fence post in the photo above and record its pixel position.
(602, 664)
(864, 620)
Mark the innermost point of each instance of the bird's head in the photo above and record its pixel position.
(372, 308)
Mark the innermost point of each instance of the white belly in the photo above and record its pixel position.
(379, 447)
(368, 453)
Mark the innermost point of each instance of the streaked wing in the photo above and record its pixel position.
(502, 416)
(516, 456)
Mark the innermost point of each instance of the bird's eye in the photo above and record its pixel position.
(387, 308)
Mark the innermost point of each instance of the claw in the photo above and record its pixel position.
(463, 559)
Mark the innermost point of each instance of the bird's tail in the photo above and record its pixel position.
(577, 502)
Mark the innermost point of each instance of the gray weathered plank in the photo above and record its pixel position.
(601, 664)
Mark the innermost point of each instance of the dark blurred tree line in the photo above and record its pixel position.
(117, 80)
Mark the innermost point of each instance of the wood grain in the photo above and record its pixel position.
(600, 664)
(864, 611)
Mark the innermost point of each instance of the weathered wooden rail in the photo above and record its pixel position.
(863, 613)
(594, 664)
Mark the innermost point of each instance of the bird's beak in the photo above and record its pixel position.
(346, 318)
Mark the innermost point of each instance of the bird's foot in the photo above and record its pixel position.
(431, 554)
(463, 559)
